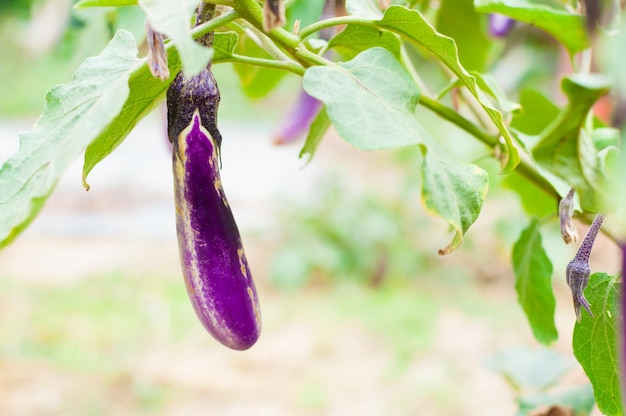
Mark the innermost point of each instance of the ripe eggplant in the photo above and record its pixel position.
(216, 272)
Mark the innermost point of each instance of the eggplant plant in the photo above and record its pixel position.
(375, 71)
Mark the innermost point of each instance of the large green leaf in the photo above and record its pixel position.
(595, 342)
(146, 92)
(453, 190)
(567, 150)
(412, 25)
(74, 114)
(459, 20)
(355, 39)
(533, 283)
(567, 27)
(172, 18)
(371, 101)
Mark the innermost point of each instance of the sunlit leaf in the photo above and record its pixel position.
(74, 115)
(567, 27)
(533, 283)
(173, 18)
(595, 342)
(412, 25)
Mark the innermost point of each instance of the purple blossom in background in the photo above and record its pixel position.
(500, 25)
(299, 119)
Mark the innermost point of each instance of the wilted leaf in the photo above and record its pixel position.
(533, 283)
(172, 18)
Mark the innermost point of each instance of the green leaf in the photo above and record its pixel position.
(371, 100)
(533, 283)
(82, 4)
(307, 11)
(530, 369)
(73, 116)
(364, 8)
(256, 81)
(453, 190)
(595, 342)
(488, 84)
(567, 150)
(459, 20)
(146, 92)
(568, 28)
(319, 126)
(412, 25)
(354, 39)
(612, 57)
(172, 18)
(579, 398)
(535, 201)
(538, 112)
(224, 44)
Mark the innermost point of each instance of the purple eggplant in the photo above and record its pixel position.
(216, 272)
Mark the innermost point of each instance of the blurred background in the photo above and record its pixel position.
(360, 315)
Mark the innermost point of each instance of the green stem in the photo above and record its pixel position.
(214, 23)
(334, 21)
(228, 3)
(266, 63)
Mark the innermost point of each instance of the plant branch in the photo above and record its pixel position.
(214, 23)
(333, 21)
(288, 65)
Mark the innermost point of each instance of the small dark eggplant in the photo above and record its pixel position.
(212, 257)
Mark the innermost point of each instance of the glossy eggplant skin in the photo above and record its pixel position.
(215, 269)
